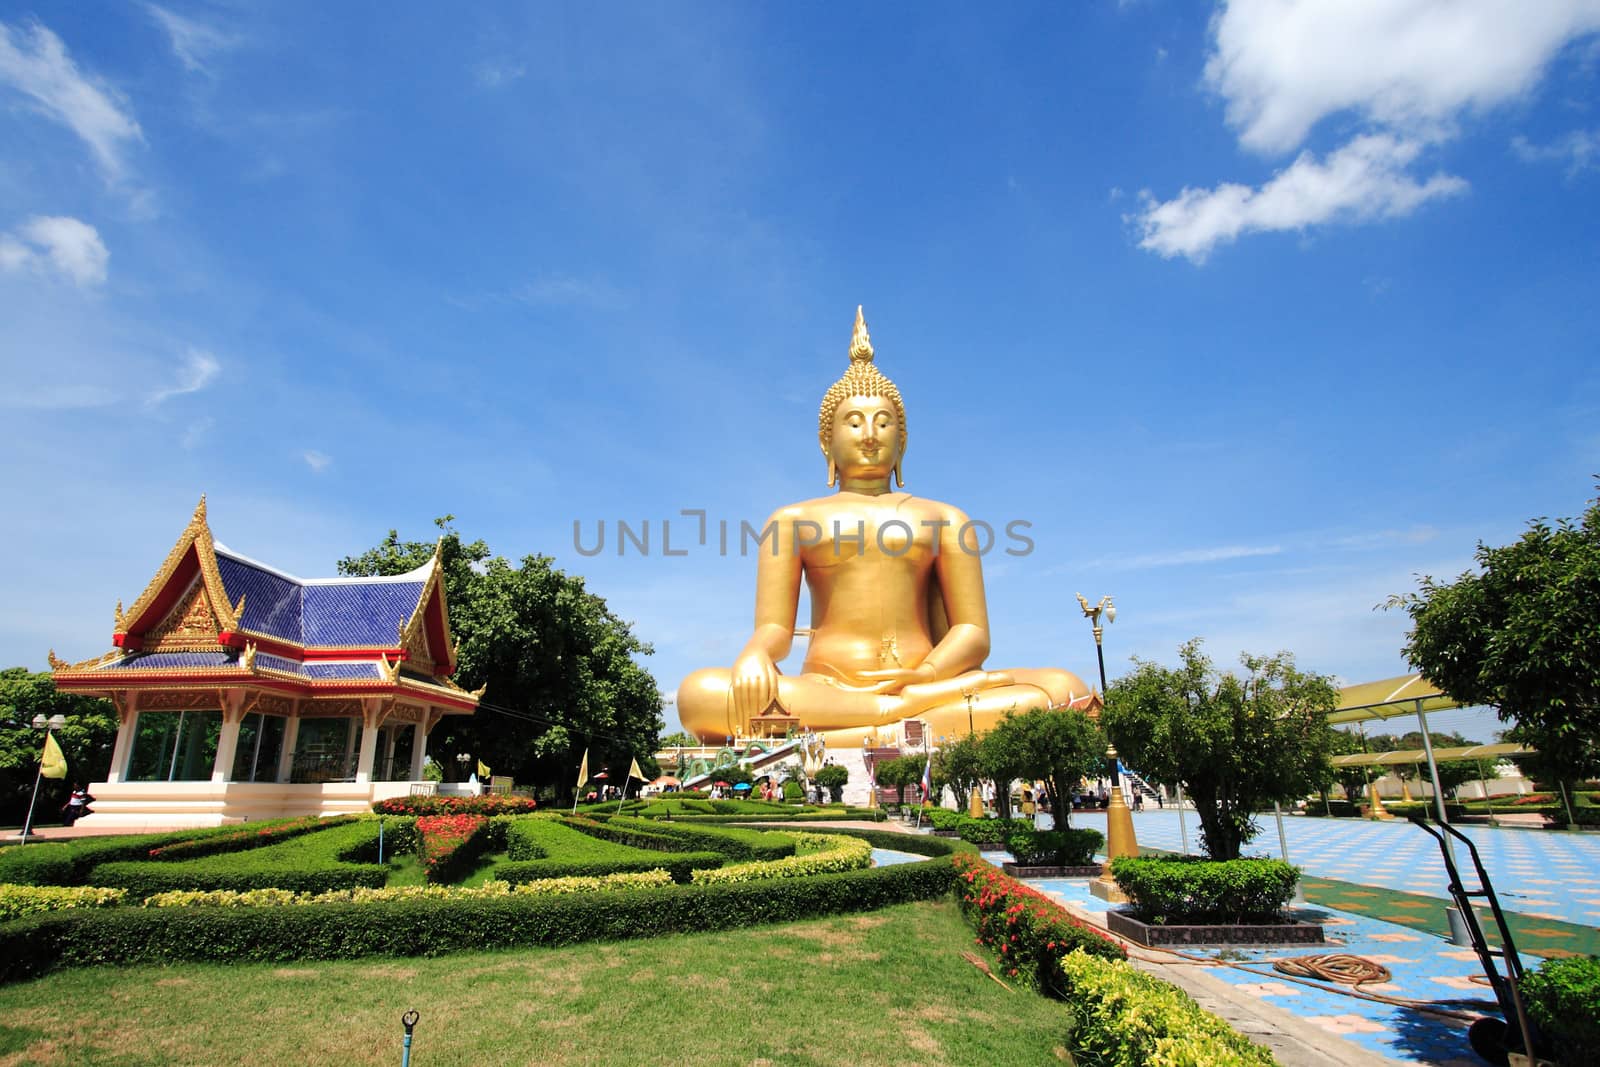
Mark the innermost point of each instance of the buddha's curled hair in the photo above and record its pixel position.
(862, 379)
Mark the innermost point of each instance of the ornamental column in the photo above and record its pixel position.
(127, 705)
(372, 715)
(233, 712)
(291, 737)
(419, 744)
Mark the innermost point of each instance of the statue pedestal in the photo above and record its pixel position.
(773, 724)
(1106, 888)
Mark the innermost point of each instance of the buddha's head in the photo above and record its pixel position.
(862, 424)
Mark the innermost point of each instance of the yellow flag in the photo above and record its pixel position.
(633, 770)
(583, 769)
(54, 763)
(483, 769)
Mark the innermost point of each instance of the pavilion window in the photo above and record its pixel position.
(260, 741)
(175, 746)
(324, 751)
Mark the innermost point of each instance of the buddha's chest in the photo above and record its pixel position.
(875, 538)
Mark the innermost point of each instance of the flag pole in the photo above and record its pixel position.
(37, 778)
(626, 782)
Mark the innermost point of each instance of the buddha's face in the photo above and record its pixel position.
(866, 441)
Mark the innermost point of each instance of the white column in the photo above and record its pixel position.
(291, 735)
(419, 747)
(371, 720)
(388, 748)
(228, 739)
(127, 727)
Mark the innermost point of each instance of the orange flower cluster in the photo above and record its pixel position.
(442, 836)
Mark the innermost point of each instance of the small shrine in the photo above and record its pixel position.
(243, 692)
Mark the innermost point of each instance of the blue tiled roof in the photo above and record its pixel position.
(367, 613)
(156, 661)
(329, 671)
(320, 671)
(358, 612)
(271, 601)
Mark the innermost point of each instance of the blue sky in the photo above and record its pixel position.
(1253, 312)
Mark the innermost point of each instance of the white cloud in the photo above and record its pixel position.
(199, 370)
(566, 291)
(34, 62)
(1579, 150)
(1366, 179)
(56, 397)
(492, 74)
(317, 461)
(60, 243)
(1408, 65)
(1408, 71)
(1184, 557)
(193, 42)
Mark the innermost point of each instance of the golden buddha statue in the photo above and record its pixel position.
(899, 623)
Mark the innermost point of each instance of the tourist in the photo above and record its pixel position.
(77, 805)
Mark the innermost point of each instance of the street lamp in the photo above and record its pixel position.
(975, 798)
(54, 722)
(1120, 840)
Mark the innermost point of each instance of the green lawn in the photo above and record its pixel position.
(886, 987)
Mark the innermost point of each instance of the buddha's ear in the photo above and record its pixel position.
(899, 482)
(833, 472)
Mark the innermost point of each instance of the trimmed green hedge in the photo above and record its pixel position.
(735, 843)
(335, 857)
(544, 848)
(989, 833)
(69, 862)
(427, 927)
(1054, 848)
(1184, 889)
(1123, 1017)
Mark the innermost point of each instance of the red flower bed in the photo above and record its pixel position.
(1030, 932)
(1534, 798)
(495, 804)
(447, 843)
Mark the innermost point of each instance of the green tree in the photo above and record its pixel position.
(1522, 635)
(86, 740)
(832, 777)
(681, 739)
(1352, 779)
(1236, 742)
(560, 667)
(1059, 748)
(958, 765)
(1003, 757)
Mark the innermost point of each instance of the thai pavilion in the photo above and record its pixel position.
(243, 692)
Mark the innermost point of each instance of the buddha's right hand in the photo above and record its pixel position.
(755, 685)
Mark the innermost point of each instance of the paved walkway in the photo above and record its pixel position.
(1550, 875)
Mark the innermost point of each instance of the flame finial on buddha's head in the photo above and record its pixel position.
(863, 378)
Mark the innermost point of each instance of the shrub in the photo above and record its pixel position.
(70, 862)
(310, 863)
(1030, 932)
(989, 833)
(833, 777)
(425, 925)
(1054, 848)
(815, 854)
(237, 839)
(19, 900)
(491, 804)
(675, 837)
(224, 898)
(542, 848)
(1125, 1018)
(1563, 999)
(449, 845)
(1339, 809)
(944, 818)
(1180, 889)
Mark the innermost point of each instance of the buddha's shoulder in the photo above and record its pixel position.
(835, 504)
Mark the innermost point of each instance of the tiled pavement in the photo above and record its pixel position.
(1549, 879)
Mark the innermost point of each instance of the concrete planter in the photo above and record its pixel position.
(1018, 871)
(947, 833)
(1285, 933)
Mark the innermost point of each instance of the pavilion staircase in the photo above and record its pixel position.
(1136, 783)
